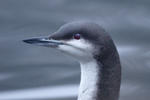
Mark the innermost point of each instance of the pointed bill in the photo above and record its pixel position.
(43, 41)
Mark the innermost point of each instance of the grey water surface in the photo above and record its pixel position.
(30, 72)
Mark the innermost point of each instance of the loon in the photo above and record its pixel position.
(96, 52)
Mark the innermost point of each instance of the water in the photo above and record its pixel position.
(32, 72)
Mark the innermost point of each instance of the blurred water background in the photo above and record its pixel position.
(30, 72)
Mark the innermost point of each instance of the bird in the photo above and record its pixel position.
(92, 46)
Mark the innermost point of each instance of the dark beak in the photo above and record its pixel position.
(43, 41)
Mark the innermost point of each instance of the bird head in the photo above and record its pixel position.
(79, 39)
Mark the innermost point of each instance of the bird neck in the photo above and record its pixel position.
(99, 81)
(89, 79)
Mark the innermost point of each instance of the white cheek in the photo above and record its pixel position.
(82, 44)
(77, 48)
(69, 49)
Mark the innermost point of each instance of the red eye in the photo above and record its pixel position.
(77, 36)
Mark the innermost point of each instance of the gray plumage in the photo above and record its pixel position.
(105, 54)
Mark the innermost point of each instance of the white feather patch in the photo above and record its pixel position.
(89, 78)
(79, 49)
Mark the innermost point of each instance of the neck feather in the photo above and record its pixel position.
(99, 81)
(89, 79)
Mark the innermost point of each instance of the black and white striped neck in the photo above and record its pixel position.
(100, 78)
(89, 79)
